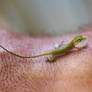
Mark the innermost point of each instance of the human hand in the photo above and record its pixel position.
(69, 73)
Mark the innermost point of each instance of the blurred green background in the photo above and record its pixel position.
(39, 17)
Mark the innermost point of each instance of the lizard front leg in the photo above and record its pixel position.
(79, 48)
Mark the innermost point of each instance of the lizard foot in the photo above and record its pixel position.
(51, 58)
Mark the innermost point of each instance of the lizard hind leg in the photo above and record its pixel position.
(51, 58)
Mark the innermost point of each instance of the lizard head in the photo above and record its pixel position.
(78, 39)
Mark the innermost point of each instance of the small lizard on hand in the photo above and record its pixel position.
(72, 44)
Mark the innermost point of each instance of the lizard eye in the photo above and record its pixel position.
(79, 40)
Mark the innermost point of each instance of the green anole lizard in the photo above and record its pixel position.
(72, 44)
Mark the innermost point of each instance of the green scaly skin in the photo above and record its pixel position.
(56, 51)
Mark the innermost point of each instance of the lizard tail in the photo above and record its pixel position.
(49, 53)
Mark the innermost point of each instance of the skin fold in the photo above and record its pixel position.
(69, 73)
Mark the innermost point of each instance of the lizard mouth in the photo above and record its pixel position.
(83, 39)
